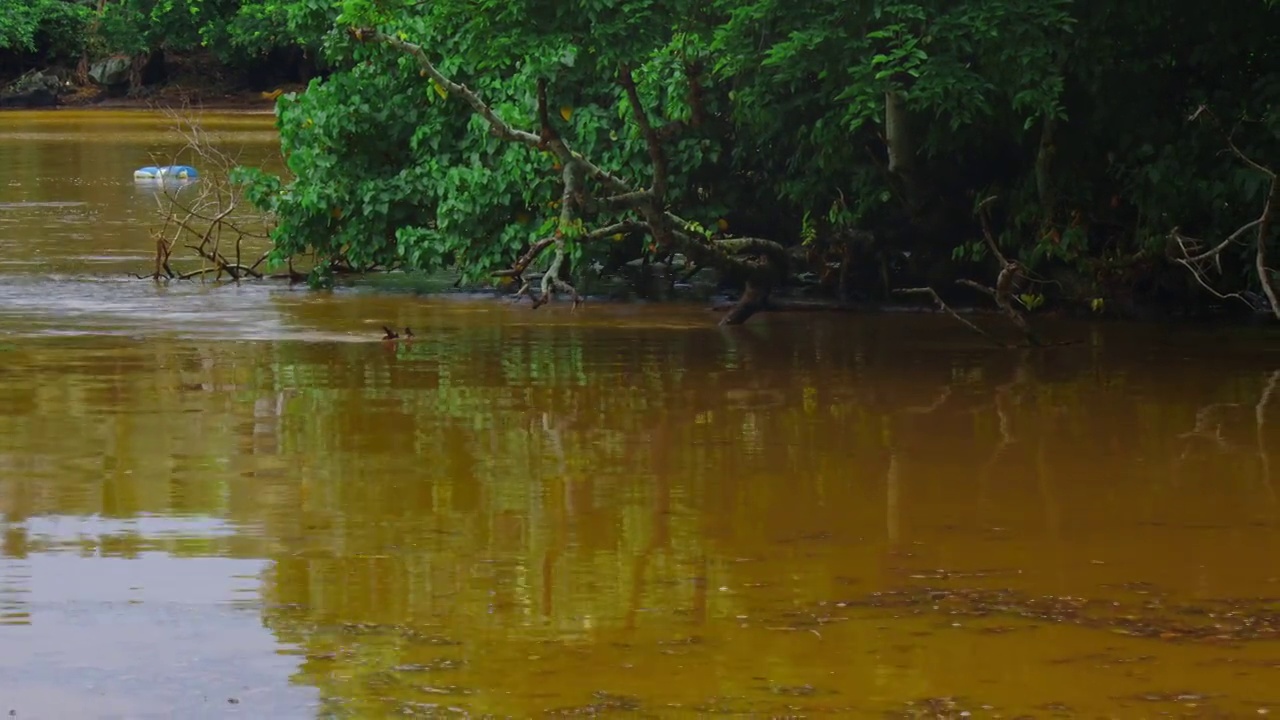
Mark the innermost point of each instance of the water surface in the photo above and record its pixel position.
(235, 501)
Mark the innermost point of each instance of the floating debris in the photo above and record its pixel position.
(433, 666)
(166, 172)
(1213, 621)
(604, 702)
(941, 708)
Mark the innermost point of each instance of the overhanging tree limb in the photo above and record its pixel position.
(729, 255)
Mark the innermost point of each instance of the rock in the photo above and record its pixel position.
(40, 98)
(111, 71)
(35, 89)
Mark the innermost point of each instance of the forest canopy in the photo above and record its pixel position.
(1118, 151)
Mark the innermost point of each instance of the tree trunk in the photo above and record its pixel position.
(1044, 167)
(902, 152)
(135, 72)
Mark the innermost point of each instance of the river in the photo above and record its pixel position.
(236, 501)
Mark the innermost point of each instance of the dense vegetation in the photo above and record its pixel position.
(254, 41)
(1104, 149)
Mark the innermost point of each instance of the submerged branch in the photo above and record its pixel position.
(201, 214)
(1002, 295)
(753, 300)
(944, 307)
(1010, 272)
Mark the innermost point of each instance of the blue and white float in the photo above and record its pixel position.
(166, 172)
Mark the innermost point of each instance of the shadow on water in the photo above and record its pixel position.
(238, 501)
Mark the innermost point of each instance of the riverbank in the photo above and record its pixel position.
(178, 96)
(54, 89)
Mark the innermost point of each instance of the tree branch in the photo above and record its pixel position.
(937, 300)
(517, 270)
(987, 235)
(499, 126)
(1002, 295)
(662, 225)
(659, 189)
(1260, 257)
(1196, 263)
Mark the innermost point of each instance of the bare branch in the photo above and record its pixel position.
(987, 235)
(207, 218)
(631, 200)
(979, 287)
(1001, 294)
(1212, 253)
(1231, 144)
(1197, 262)
(776, 253)
(944, 307)
(1260, 257)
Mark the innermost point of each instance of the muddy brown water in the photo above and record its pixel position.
(237, 502)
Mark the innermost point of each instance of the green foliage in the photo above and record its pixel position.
(390, 172)
(234, 31)
(26, 25)
(256, 27)
(1073, 112)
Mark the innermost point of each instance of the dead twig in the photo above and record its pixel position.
(205, 215)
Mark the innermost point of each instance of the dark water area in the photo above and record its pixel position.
(235, 501)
